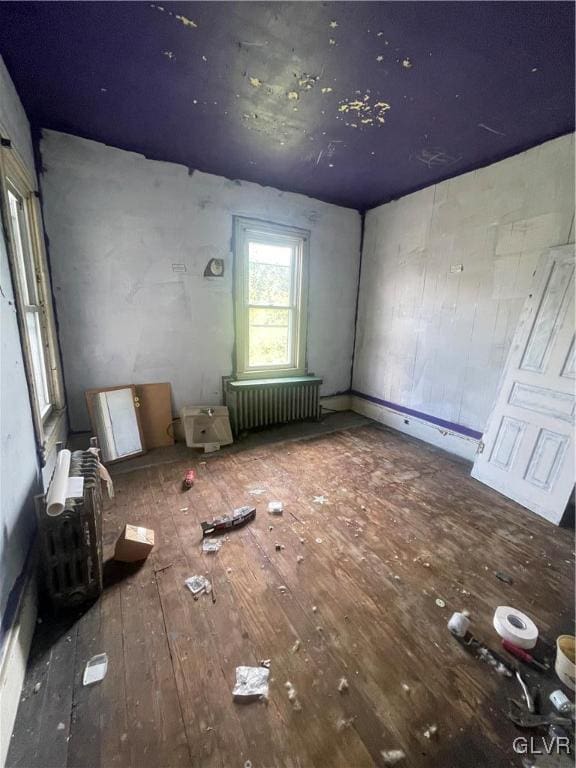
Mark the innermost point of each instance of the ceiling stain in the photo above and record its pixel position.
(307, 81)
(186, 21)
(182, 19)
(364, 111)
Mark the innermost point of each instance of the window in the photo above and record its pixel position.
(271, 267)
(29, 274)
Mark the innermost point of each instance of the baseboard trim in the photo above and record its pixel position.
(462, 445)
(14, 659)
(341, 402)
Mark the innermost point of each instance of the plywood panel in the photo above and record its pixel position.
(156, 414)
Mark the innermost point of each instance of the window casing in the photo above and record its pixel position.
(271, 297)
(22, 225)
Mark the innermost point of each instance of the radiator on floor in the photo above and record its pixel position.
(71, 543)
(264, 402)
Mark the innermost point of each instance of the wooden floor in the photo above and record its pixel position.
(402, 525)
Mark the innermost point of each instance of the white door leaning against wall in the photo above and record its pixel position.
(528, 446)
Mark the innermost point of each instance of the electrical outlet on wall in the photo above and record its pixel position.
(456, 268)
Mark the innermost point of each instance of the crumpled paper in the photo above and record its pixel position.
(198, 584)
(251, 683)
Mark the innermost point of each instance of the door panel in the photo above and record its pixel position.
(528, 446)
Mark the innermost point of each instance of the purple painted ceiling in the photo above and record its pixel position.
(351, 102)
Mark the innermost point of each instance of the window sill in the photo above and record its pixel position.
(54, 430)
(242, 383)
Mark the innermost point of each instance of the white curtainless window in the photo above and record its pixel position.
(30, 301)
(21, 212)
(270, 282)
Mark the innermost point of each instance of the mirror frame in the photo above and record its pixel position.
(89, 395)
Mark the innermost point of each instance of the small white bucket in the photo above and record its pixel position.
(565, 658)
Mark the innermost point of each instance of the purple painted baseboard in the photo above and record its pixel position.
(418, 415)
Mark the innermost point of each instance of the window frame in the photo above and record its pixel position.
(17, 180)
(253, 230)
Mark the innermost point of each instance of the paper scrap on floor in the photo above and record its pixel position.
(251, 684)
(211, 545)
(95, 669)
(198, 584)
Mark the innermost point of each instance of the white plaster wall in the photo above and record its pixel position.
(19, 471)
(117, 222)
(434, 340)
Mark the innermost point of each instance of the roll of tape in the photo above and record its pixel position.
(515, 626)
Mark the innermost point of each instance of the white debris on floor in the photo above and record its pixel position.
(392, 756)
(275, 507)
(251, 684)
(345, 722)
(198, 585)
(211, 545)
(292, 696)
(95, 669)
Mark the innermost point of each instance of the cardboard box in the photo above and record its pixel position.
(135, 543)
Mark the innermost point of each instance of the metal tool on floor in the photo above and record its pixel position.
(523, 719)
(527, 695)
(523, 655)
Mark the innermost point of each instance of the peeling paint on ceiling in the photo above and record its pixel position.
(350, 102)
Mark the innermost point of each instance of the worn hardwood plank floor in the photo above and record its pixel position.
(402, 524)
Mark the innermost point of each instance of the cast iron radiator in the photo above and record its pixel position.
(263, 402)
(71, 543)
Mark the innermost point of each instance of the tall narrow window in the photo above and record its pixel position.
(31, 305)
(271, 264)
(33, 299)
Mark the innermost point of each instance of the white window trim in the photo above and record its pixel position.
(254, 229)
(14, 173)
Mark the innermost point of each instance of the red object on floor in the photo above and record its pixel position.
(189, 479)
